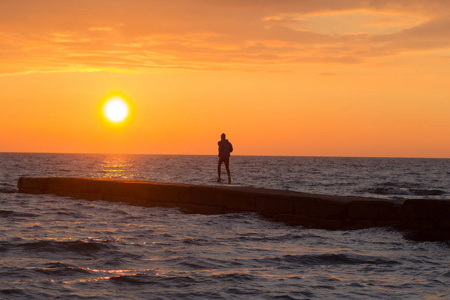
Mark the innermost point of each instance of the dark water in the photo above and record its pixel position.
(56, 247)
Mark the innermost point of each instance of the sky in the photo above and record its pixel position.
(279, 77)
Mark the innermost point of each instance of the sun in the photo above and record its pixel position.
(116, 109)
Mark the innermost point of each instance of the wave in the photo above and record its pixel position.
(197, 264)
(12, 292)
(140, 278)
(4, 246)
(11, 213)
(234, 277)
(194, 241)
(80, 247)
(143, 278)
(7, 190)
(60, 269)
(289, 236)
(6, 213)
(179, 281)
(428, 192)
(334, 259)
(406, 192)
(287, 297)
(73, 214)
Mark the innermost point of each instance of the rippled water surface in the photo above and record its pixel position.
(57, 247)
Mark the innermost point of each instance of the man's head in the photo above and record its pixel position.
(222, 136)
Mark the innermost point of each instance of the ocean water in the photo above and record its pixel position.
(61, 248)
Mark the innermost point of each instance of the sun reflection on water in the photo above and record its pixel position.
(117, 166)
(105, 274)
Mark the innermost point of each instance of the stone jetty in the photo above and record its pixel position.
(429, 218)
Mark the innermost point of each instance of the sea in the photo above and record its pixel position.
(55, 247)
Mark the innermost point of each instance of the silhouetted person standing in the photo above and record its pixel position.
(225, 148)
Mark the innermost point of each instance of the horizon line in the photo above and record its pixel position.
(256, 155)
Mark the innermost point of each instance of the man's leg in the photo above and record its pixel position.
(227, 166)
(218, 169)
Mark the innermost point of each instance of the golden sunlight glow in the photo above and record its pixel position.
(305, 78)
(116, 109)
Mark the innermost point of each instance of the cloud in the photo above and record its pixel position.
(431, 35)
(138, 35)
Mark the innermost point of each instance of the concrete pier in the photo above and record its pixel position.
(431, 217)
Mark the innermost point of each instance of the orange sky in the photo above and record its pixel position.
(280, 77)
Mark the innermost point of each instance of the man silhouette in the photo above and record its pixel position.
(225, 148)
